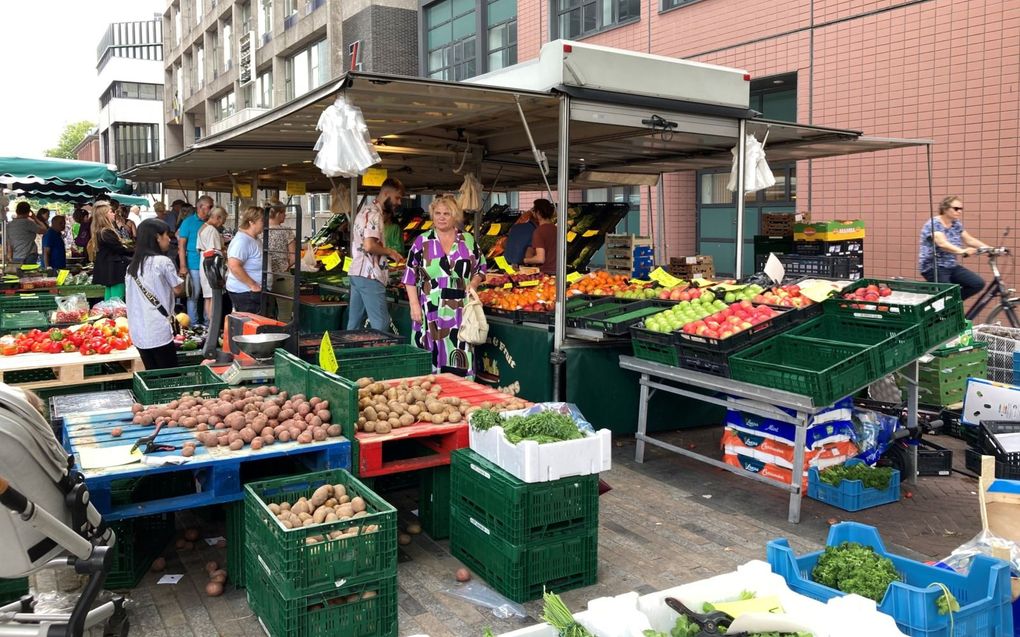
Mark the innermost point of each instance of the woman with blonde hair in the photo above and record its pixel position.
(108, 252)
(442, 265)
(244, 263)
(210, 241)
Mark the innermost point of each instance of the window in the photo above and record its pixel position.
(501, 16)
(306, 70)
(228, 46)
(224, 106)
(178, 25)
(451, 40)
(131, 91)
(135, 144)
(259, 94)
(245, 11)
(577, 18)
(199, 66)
(672, 4)
(265, 19)
(289, 7)
(199, 11)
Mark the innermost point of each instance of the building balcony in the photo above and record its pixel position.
(236, 119)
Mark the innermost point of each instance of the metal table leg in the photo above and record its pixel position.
(797, 479)
(912, 375)
(642, 422)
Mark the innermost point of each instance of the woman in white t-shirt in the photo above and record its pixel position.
(244, 263)
(210, 239)
(151, 286)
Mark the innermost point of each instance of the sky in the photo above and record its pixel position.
(55, 40)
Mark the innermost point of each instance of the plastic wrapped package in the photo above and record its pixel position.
(874, 432)
(72, 308)
(478, 593)
(344, 149)
(984, 543)
(114, 308)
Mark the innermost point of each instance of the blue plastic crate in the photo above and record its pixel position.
(984, 593)
(1016, 365)
(852, 495)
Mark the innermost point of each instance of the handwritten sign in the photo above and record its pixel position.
(574, 277)
(327, 357)
(427, 224)
(665, 279)
(331, 260)
(347, 264)
(374, 177)
(296, 187)
(501, 262)
(62, 276)
(242, 190)
(494, 230)
(414, 224)
(571, 235)
(528, 284)
(590, 233)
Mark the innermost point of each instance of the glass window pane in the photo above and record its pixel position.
(439, 13)
(589, 20)
(713, 188)
(435, 60)
(464, 26)
(440, 36)
(501, 11)
(497, 38)
(462, 6)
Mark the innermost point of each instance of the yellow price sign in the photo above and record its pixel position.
(331, 260)
(427, 224)
(374, 177)
(412, 225)
(327, 357)
(62, 276)
(494, 229)
(242, 190)
(347, 264)
(590, 233)
(574, 277)
(528, 284)
(502, 264)
(639, 281)
(571, 235)
(665, 279)
(296, 188)
(507, 286)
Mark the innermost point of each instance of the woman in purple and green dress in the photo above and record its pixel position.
(441, 265)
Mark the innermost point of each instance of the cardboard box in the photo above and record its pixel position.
(836, 230)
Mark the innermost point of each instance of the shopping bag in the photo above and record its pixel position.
(474, 328)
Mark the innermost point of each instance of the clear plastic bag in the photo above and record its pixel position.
(344, 149)
(983, 544)
(478, 593)
(114, 308)
(72, 308)
(873, 433)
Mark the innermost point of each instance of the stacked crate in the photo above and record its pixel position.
(942, 380)
(699, 266)
(629, 255)
(764, 245)
(832, 248)
(523, 538)
(333, 578)
(11, 590)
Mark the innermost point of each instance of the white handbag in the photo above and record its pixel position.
(474, 328)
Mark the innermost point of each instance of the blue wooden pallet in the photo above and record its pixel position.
(216, 471)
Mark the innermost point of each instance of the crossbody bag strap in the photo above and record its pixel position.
(151, 298)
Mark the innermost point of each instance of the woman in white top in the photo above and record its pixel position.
(209, 240)
(151, 286)
(244, 263)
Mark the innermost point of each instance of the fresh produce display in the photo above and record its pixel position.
(869, 293)
(599, 283)
(102, 337)
(245, 416)
(783, 296)
(329, 503)
(680, 293)
(537, 298)
(870, 477)
(82, 278)
(383, 408)
(855, 568)
(69, 316)
(543, 427)
(190, 338)
(638, 292)
(112, 309)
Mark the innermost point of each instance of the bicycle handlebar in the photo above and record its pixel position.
(995, 252)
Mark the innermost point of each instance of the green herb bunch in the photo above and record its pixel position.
(854, 568)
(871, 477)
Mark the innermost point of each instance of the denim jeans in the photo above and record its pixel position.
(969, 282)
(195, 300)
(368, 296)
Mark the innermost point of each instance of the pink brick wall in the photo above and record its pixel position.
(946, 70)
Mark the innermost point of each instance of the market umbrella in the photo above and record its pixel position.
(61, 179)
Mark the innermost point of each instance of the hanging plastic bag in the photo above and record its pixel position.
(470, 197)
(344, 149)
(757, 174)
(340, 200)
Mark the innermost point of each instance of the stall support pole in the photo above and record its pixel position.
(741, 133)
(563, 194)
(660, 221)
(354, 201)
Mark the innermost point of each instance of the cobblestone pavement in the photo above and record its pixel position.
(665, 522)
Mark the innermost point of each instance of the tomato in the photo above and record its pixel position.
(38, 347)
(10, 350)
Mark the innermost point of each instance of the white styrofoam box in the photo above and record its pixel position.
(530, 461)
(988, 400)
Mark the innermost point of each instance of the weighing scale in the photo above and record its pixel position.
(255, 362)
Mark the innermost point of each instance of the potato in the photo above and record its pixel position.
(369, 427)
(438, 419)
(235, 420)
(271, 412)
(187, 452)
(383, 427)
(247, 435)
(304, 438)
(158, 565)
(268, 439)
(314, 421)
(303, 409)
(274, 508)
(319, 434)
(286, 414)
(405, 420)
(358, 503)
(456, 416)
(334, 431)
(256, 444)
(283, 436)
(363, 382)
(345, 510)
(320, 514)
(116, 432)
(237, 445)
(214, 589)
(320, 495)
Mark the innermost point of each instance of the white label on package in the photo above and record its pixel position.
(481, 471)
(484, 529)
(939, 305)
(691, 260)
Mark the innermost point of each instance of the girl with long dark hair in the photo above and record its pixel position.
(152, 284)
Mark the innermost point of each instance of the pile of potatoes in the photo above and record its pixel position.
(384, 408)
(245, 416)
(329, 503)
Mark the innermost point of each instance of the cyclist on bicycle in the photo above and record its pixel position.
(950, 241)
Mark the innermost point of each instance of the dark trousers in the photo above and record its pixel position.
(246, 301)
(969, 282)
(164, 357)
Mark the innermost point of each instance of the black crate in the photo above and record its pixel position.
(844, 248)
(824, 266)
(990, 445)
(972, 460)
(934, 460)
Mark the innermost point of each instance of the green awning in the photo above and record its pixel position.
(61, 179)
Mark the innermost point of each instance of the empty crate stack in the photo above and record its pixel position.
(334, 571)
(830, 249)
(523, 537)
(629, 255)
(689, 268)
(942, 377)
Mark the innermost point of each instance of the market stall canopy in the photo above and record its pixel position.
(429, 133)
(61, 179)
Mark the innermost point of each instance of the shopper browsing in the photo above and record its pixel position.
(188, 261)
(943, 240)
(210, 241)
(369, 271)
(152, 285)
(108, 252)
(518, 240)
(543, 241)
(244, 263)
(441, 265)
(281, 260)
(54, 250)
(22, 231)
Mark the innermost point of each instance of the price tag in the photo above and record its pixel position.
(327, 357)
(639, 281)
(374, 177)
(467, 228)
(590, 233)
(574, 277)
(412, 225)
(507, 286)
(665, 279)
(331, 260)
(528, 284)
(502, 264)
(296, 187)
(242, 190)
(427, 224)
(494, 230)
(571, 235)
(817, 292)
(62, 276)
(347, 264)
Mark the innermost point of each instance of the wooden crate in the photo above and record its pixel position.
(61, 370)
(628, 241)
(687, 268)
(777, 224)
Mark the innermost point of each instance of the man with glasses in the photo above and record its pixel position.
(943, 240)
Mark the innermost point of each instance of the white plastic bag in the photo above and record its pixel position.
(345, 146)
(757, 174)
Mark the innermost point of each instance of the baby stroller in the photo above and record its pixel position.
(49, 522)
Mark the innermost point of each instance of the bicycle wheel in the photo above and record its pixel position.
(1009, 311)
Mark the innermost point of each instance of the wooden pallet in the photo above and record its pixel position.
(69, 368)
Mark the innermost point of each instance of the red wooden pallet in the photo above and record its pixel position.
(438, 440)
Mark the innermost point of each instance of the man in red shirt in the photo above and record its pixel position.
(543, 243)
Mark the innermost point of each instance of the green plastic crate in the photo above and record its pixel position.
(299, 569)
(90, 291)
(384, 363)
(160, 386)
(434, 502)
(236, 546)
(976, 352)
(28, 303)
(654, 346)
(28, 319)
(321, 317)
(325, 614)
(891, 346)
(523, 572)
(823, 370)
(11, 590)
(342, 395)
(139, 542)
(521, 512)
(291, 373)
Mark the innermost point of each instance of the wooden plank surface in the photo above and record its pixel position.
(42, 361)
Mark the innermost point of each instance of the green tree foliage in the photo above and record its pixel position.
(71, 137)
